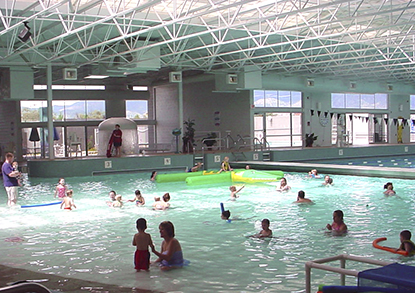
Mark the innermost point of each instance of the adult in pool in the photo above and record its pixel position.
(389, 189)
(283, 185)
(153, 176)
(171, 255)
(301, 198)
(338, 227)
(10, 181)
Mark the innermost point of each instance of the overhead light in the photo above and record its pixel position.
(25, 33)
(96, 76)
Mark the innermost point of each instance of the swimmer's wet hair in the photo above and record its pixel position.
(301, 194)
(166, 197)
(226, 214)
(406, 234)
(137, 192)
(69, 192)
(339, 213)
(265, 221)
(141, 224)
(168, 227)
(386, 185)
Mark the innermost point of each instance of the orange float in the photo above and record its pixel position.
(390, 249)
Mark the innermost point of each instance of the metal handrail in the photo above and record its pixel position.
(25, 287)
(227, 141)
(318, 264)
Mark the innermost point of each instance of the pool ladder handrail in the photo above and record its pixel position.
(319, 264)
(23, 287)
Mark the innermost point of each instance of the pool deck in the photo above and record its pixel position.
(370, 171)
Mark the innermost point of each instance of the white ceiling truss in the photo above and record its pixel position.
(354, 39)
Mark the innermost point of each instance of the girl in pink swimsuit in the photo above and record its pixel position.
(61, 189)
(338, 227)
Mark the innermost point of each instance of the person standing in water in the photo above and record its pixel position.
(10, 181)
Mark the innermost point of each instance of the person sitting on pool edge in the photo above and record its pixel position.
(338, 227)
(389, 189)
(406, 243)
(225, 166)
(196, 167)
(301, 198)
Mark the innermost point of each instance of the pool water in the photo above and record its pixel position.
(94, 241)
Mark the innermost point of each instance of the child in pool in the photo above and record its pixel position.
(139, 199)
(112, 194)
(406, 243)
(234, 191)
(67, 201)
(142, 241)
(327, 180)
(283, 185)
(225, 215)
(153, 176)
(162, 204)
(313, 174)
(338, 227)
(389, 189)
(118, 202)
(266, 231)
(61, 189)
(302, 199)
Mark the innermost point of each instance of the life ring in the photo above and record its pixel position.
(390, 249)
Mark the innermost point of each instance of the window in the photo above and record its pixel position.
(359, 101)
(412, 103)
(277, 99)
(78, 110)
(136, 109)
(33, 111)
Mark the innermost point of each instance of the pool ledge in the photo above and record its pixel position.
(370, 171)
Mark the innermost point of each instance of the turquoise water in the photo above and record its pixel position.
(94, 241)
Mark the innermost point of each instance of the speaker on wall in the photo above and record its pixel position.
(25, 33)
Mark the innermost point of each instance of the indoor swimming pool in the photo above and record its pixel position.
(393, 161)
(93, 242)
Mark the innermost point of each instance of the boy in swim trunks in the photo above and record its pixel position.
(406, 243)
(67, 201)
(142, 241)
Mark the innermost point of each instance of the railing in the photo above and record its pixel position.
(25, 287)
(155, 148)
(318, 264)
